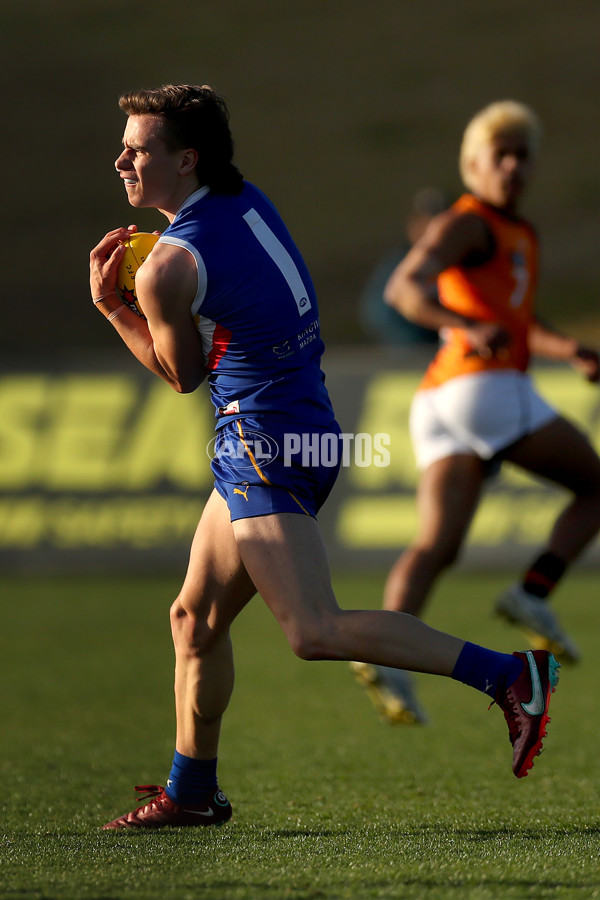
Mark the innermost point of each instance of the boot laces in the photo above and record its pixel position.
(149, 791)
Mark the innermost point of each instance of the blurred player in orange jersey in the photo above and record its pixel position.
(476, 405)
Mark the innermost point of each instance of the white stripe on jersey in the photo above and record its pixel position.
(281, 258)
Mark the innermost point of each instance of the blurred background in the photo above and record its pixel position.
(342, 112)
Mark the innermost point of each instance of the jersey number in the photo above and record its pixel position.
(520, 273)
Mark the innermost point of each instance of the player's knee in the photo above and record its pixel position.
(190, 632)
(312, 640)
(304, 648)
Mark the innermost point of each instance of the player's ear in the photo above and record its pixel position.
(189, 161)
(471, 164)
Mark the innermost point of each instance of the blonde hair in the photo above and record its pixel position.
(504, 117)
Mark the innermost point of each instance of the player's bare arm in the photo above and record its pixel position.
(546, 341)
(166, 286)
(104, 261)
(163, 305)
(450, 239)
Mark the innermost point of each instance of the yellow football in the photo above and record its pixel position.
(137, 249)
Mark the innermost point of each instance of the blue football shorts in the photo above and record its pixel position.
(263, 466)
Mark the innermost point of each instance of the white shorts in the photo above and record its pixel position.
(479, 414)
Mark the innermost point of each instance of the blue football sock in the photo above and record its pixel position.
(486, 670)
(190, 780)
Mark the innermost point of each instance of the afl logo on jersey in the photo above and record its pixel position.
(283, 350)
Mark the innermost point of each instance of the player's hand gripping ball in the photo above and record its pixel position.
(137, 249)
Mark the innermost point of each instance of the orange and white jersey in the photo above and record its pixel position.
(500, 289)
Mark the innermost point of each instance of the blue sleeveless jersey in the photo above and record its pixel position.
(255, 309)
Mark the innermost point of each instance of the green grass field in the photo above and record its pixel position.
(328, 802)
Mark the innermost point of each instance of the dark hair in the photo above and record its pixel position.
(194, 116)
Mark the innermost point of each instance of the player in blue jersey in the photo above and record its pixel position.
(226, 297)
